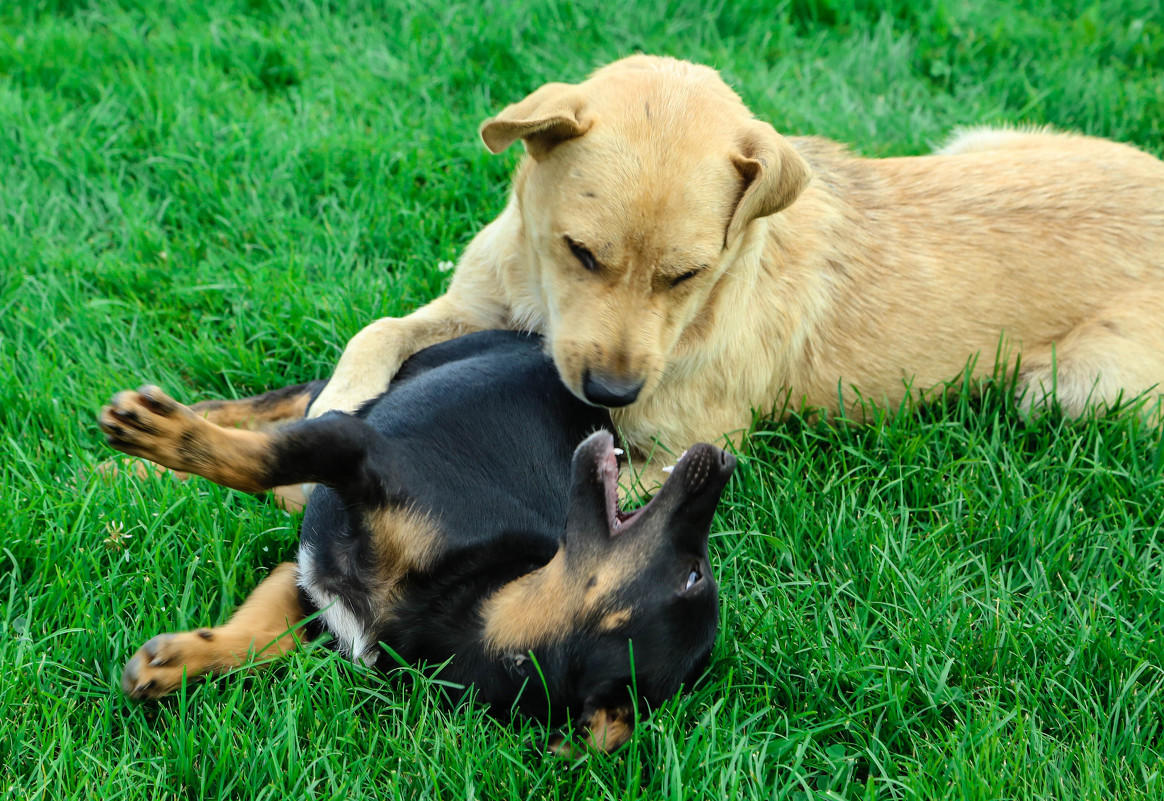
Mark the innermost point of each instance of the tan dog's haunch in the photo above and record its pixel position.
(688, 264)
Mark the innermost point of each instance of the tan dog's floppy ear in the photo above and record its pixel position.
(774, 175)
(546, 118)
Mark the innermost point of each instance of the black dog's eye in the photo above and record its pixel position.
(584, 256)
(679, 279)
(693, 578)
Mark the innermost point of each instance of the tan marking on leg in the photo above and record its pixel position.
(261, 628)
(259, 412)
(150, 424)
(610, 728)
(607, 730)
(268, 412)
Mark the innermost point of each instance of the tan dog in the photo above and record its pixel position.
(688, 264)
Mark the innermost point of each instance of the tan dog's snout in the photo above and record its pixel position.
(607, 368)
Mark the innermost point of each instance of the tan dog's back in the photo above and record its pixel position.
(1022, 234)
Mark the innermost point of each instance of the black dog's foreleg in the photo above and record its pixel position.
(338, 450)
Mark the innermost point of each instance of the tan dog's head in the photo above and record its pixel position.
(639, 184)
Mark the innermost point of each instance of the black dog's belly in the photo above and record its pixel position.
(480, 432)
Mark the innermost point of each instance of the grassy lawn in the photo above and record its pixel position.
(214, 196)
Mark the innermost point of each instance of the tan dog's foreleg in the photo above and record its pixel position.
(262, 628)
(1116, 354)
(373, 356)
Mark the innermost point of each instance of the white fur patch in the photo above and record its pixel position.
(986, 137)
(352, 639)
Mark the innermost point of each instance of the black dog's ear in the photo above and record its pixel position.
(605, 726)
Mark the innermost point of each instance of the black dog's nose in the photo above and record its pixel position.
(610, 392)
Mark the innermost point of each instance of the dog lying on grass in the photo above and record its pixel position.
(687, 264)
(453, 525)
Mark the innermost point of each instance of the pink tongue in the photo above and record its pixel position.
(608, 467)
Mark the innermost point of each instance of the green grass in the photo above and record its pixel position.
(214, 196)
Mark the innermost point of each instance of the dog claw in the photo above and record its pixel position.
(668, 468)
(153, 647)
(131, 683)
(156, 399)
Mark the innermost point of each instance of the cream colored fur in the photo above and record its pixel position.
(817, 273)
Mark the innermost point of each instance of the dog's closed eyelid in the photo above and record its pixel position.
(679, 279)
(583, 255)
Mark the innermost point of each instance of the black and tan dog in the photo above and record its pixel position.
(453, 526)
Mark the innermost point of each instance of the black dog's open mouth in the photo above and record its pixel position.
(608, 471)
(699, 472)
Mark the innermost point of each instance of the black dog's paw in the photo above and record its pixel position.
(147, 423)
(158, 667)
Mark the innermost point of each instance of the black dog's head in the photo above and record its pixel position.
(626, 610)
(645, 601)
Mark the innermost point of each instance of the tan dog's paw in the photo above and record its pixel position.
(151, 424)
(158, 666)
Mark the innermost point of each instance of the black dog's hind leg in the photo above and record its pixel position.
(262, 628)
(267, 412)
(337, 450)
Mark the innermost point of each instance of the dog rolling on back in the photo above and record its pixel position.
(458, 520)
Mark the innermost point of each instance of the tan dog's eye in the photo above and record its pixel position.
(679, 279)
(584, 256)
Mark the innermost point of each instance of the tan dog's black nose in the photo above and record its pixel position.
(607, 391)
